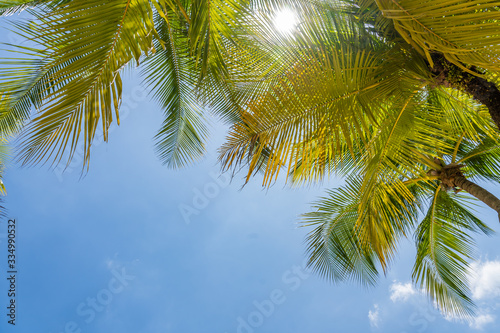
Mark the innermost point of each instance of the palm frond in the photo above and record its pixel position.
(444, 249)
(466, 32)
(10, 7)
(333, 247)
(79, 85)
(481, 160)
(212, 22)
(172, 77)
(317, 99)
(347, 243)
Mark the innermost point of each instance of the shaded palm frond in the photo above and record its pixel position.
(466, 32)
(481, 160)
(473, 134)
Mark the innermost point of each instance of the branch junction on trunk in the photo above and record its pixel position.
(452, 178)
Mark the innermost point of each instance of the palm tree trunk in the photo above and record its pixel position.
(450, 75)
(478, 192)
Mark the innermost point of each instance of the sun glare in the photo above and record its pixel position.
(285, 21)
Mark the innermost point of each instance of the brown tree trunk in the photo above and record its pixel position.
(478, 192)
(485, 92)
(451, 177)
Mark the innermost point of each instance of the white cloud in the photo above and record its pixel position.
(374, 316)
(481, 320)
(485, 280)
(402, 292)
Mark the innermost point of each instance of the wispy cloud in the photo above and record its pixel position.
(485, 288)
(374, 316)
(402, 292)
(481, 320)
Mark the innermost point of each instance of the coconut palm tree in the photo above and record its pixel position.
(373, 88)
(402, 97)
(356, 63)
(357, 228)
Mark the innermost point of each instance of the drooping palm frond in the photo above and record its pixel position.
(25, 84)
(317, 99)
(10, 7)
(481, 160)
(198, 70)
(334, 250)
(172, 78)
(444, 250)
(317, 167)
(349, 244)
(211, 23)
(77, 78)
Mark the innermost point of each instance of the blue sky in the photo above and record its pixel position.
(112, 252)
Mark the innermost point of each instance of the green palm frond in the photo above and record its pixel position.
(395, 148)
(481, 160)
(81, 85)
(348, 243)
(444, 249)
(172, 78)
(316, 166)
(463, 115)
(333, 98)
(25, 83)
(474, 135)
(334, 249)
(238, 50)
(10, 7)
(221, 50)
(211, 23)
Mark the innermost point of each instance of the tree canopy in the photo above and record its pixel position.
(399, 96)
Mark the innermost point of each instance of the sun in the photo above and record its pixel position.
(285, 21)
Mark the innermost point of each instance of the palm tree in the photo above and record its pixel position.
(354, 64)
(367, 87)
(357, 228)
(402, 97)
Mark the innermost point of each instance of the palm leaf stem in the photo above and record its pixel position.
(416, 180)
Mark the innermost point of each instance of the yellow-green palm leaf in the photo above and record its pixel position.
(77, 81)
(466, 32)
